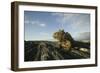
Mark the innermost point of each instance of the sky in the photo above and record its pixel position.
(42, 25)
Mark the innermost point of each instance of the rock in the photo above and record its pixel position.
(84, 50)
(47, 50)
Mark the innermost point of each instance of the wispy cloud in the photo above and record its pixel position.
(42, 25)
(76, 21)
(62, 17)
(36, 23)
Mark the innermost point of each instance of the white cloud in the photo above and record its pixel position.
(36, 23)
(42, 25)
(76, 21)
(33, 22)
(62, 17)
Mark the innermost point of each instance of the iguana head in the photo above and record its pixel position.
(64, 38)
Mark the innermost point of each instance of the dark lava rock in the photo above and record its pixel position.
(47, 50)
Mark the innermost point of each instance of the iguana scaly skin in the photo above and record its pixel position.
(64, 38)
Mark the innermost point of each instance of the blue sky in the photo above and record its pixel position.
(42, 25)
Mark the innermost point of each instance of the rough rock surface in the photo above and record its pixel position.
(47, 50)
